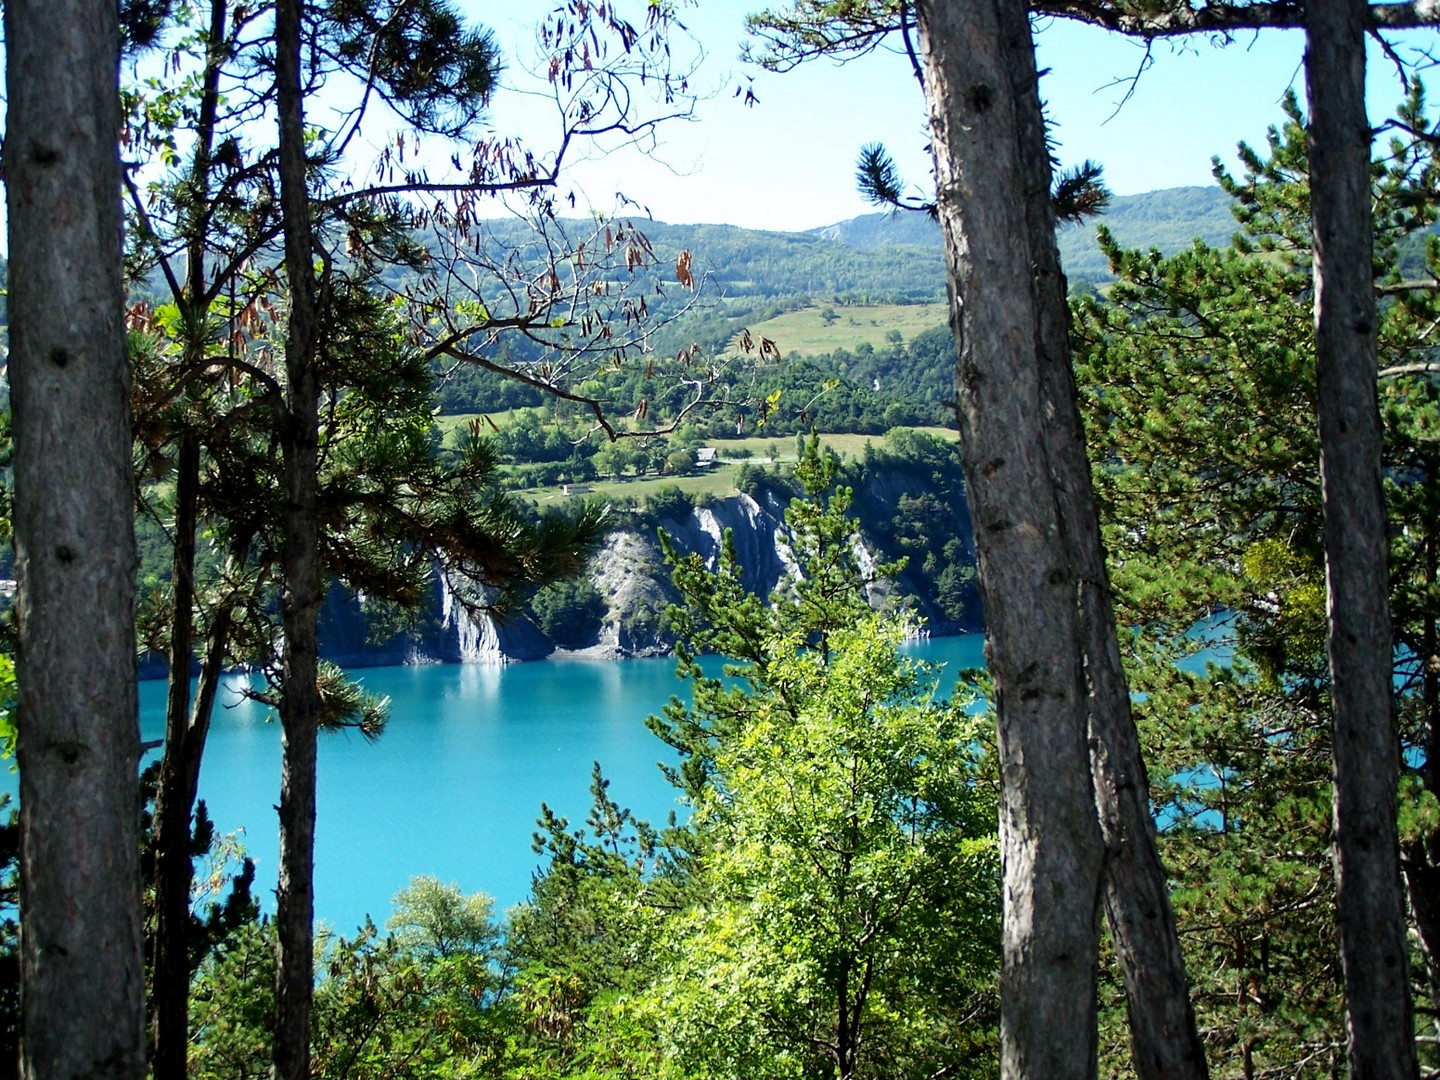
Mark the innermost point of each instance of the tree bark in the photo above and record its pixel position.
(980, 88)
(185, 732)
(1422, 864)
(1164, 1041)
(170, 967)
(1369, 897)
(300, 600)
(1164, 1037)
(82, 967)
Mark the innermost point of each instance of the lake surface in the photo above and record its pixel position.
(455, 784)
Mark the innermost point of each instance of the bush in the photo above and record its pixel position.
(669, 503)
(568, 612)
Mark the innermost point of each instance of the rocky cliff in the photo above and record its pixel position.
(629, 574)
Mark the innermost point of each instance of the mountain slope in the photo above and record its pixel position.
(1168, 219)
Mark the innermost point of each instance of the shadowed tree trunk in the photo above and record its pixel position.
(82, 973)
(170, 967)
(1422, 856)
(1011, 322)
(1164, 1041)
(175, 799)
(300, 600)
(185, 731)
(1369, 897)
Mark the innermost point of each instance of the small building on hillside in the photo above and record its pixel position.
(705, 456)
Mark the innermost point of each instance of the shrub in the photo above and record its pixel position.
(568, 612)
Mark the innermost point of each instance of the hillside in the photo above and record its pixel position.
(892, 259)
(1167, 219)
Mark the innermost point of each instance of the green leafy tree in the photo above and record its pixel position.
(431, 918)
(830, 908)
(841, 852)
(847, 919)
(419, 1000)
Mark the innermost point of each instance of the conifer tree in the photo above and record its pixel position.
(82, 977)
(225, 213)
(1370, 901)
(1201, 391)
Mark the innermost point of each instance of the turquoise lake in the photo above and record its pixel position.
(455, 784)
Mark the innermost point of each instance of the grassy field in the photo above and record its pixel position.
(806, 333)
(450, 422)
(720, 480)
(846, 445)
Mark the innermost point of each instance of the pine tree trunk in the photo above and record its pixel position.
(185, 730)
(1369, 898)
(175, 798)
(1164, 1037)
(980, 87)
(300, 602)
(1165, 1043)
(170, 968)
(1422, 864)
(82, 968)
(180, 765)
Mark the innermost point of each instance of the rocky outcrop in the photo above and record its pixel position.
(758, 535)
(631, 577)
(629, 573)
(453, 628)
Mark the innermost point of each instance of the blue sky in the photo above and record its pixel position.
(788, 162)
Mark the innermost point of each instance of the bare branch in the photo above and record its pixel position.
(151, 235)
(1417, 285)
(1223, 18)
(1428, 367)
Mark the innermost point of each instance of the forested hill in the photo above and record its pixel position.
(896, 257)
(878, 258)
(1168, 219)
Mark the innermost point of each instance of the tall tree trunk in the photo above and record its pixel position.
(1165, 1043)
(170, 967)
(82, 968)
(980, 87)
(1422, 864)
(999, 53)
(300, 601)
(174, 874)
(1369, 899)
(180, 764)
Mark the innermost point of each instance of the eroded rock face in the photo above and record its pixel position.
(757, 532)
(473, 636)
(629, 573)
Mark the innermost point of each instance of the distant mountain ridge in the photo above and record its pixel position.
(1168, 219)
